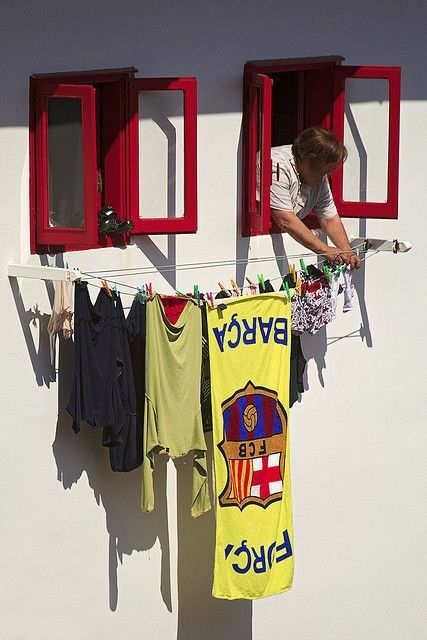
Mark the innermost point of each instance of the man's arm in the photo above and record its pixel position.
(290, 223)
(334, 229)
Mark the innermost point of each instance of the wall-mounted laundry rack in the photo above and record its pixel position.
(40, 272)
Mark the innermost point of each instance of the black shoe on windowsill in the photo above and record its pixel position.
(109, 223)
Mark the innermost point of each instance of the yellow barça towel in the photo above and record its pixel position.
(249, 343)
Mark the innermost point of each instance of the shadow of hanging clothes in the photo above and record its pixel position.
(119, 494)
(200, 615)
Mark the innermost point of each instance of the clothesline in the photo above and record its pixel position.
(136, 289)
(202, 265)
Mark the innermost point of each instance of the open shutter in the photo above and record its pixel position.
(66, 179)
(162, 172)
(257, 152)
(367, 118)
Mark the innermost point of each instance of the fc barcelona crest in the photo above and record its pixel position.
(254, 447)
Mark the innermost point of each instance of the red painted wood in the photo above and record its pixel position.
(257, 135)
(388, 209)
(188, 222)
(112, 115)
(46, 235)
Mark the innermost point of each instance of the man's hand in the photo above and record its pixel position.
(337, 256)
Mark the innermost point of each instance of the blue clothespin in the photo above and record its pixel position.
(303, 267)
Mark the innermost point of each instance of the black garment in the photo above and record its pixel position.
(205, 386)
(95, 395)
(126, 455)
(136, 332)
(298, 362)
(102, 392)
(266, 288)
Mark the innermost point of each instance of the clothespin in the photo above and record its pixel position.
(252, 286)
(106, 286)
(303, 267)
(327, 271)
(140, 294)
(236, 289)
(261, 282)
(293, 272)
(221, 286)
(196, 294)
(210, 299)
(287, 290)
(149, 290)
(116, 291)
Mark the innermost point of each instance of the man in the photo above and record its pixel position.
(300, 185)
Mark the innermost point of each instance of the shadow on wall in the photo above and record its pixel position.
(129, 529)
(197, 608)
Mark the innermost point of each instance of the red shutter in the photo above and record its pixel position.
(389, 208)
(87, 232)
(188, 222)
(257, 147)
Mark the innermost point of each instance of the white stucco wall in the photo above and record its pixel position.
(79, 560)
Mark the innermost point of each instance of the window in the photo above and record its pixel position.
(86, 136)
(360, 104)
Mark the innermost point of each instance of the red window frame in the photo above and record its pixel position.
(67, 235)
(258, 127)
(388, 209)
(187, 223)
(321, 102)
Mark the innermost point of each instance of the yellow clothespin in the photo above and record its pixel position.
(293, 272)
(106, 286)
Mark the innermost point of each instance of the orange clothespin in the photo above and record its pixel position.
(236, 289)
(221, 286)
(106, 286)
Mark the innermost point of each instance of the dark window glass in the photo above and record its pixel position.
(65, 163)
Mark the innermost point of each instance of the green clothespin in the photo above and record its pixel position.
(303, 267)
(140, 294)
(287, 290)
(326, 270)
(196, 293)
(116, 291)
(261, 282)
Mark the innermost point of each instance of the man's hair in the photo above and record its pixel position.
(320, 147)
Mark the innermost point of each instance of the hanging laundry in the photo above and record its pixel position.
(348, 291)
(136, 331)
(314, 308)
(249, 344)
(102, 392)
(297, 362)
(126, 455)
(205, 383)
(172, 416)
(60, 320)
